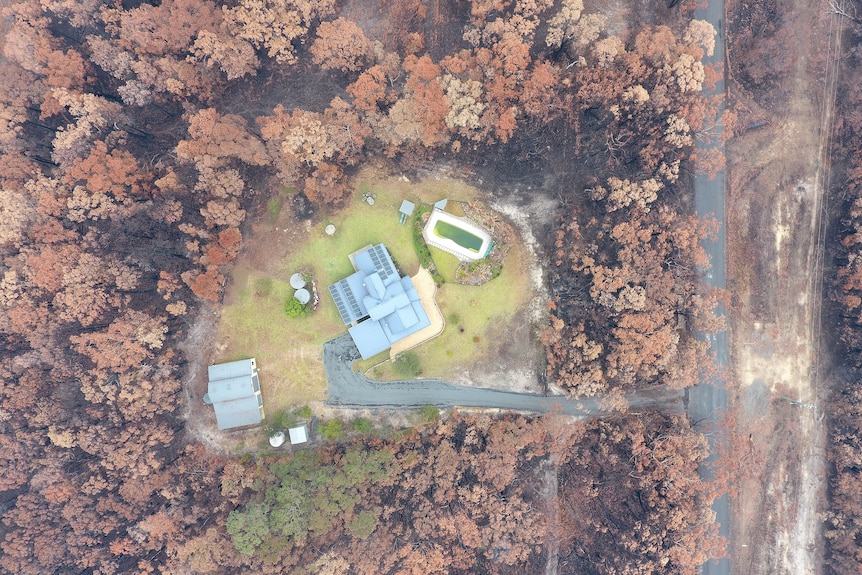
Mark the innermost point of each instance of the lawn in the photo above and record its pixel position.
(289, 350)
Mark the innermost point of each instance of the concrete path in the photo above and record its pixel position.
(427, 290)
(349, 388)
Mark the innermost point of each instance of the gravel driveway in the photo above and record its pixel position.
(349, 388)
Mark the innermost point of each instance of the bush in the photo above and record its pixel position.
(278, 422)
(285, 419)
(407, 365)
(363, 525)
(293, 308)
(332, 429)
(361, 424)
(429, 413)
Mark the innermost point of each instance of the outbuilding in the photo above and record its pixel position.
(234, 393)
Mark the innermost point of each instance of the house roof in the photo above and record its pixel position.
(385, 305)
(370, 338)
(239, 412)
(234, 392)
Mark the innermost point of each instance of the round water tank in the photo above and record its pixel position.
(297, 281)
(276, 439)
(303, 296)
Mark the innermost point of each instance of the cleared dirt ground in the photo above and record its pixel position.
(777, 175)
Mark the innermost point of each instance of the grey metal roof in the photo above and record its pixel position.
(238, 413)
(376, 292)
(370, 338)
(407, 207)
(232, 369)
(298, 434)
(234, 391)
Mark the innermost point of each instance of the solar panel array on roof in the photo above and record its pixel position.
(351, 301)
(339, 303)
(382, 262)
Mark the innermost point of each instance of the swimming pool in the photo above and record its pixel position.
(458, 236)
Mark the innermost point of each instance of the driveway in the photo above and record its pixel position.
(350, 388)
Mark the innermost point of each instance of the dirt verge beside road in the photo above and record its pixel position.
(777, 178)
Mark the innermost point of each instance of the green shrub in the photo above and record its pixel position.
(429, 413)
(454, 318)
(285, 419)
(332, 429)
(407, 365)
(363, 525)
(422, 251)
(361, 424)
(293, 308)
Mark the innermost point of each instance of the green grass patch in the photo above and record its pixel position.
(256, 325)
(407, 365)
(263, 287)
(273, 208)
(446, 264)
(357, 226)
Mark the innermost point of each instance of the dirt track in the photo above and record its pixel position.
(777, 187)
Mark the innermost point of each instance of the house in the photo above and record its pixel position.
(381, 306)
(234, 393)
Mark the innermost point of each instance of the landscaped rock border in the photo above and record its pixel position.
(502, 233)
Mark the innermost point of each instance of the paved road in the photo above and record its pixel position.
(707, 400)
(348, 388)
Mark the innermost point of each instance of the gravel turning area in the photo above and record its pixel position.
(349, 388)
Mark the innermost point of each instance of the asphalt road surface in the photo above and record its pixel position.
(349, 388)
(708, 400)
